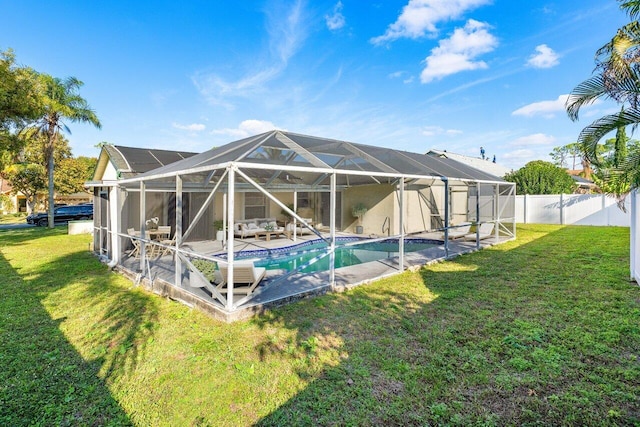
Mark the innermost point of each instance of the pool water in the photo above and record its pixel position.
(295, 257)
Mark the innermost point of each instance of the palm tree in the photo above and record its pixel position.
(617, 77)
(60, 100)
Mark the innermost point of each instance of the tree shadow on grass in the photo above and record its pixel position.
(492, 337)
(44, 379)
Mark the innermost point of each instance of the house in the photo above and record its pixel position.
(486, 165)
(584, 185)
(277, 175)
(116, 162)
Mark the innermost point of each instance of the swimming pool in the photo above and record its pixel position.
(293, 257)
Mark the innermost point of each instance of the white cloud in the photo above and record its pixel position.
(545, 57)
(287, 32)
(546, 109)
(194, 127)
(458, 52)
(335, 21)
(437, 130)
(401, 74)
(534, 139)
(247, 128)
(522, 154)
(419, 17)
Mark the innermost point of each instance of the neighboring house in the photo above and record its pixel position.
(585, 185)
(487, 165)
(17, 202)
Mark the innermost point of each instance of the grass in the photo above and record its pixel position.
(541, 331)
(16, 218)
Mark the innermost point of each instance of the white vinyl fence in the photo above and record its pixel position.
(633, 198)
(578, 209)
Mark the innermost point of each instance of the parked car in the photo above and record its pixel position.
(62, 214)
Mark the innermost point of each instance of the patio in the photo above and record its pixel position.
(280, 287)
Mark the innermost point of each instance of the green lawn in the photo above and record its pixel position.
(17, 218)
(544, 330)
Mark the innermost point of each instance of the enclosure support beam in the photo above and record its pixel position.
(496, 210)
(478, 215)
(401, 225)
(114, 224)
(178, 235)
(231, 185)
(143, 213)
(295, 209)
(447, 200)
(332, 227)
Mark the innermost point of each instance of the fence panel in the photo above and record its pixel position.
(579, 209)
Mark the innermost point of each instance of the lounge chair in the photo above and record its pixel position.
(244, 273)
(460, 230)
(486, 230)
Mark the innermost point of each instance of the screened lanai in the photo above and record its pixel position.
(331, 214)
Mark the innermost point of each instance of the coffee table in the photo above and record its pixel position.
(267, 234)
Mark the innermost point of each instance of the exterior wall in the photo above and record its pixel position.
(459, 201)
(379, 198)
(579, 209)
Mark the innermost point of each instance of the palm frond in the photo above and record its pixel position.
(585, 93)
(591, 135)
(632, 7)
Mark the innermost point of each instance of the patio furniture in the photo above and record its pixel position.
(244, 272)
(268, 233)
(460, 230)
(161, 233)
(252, 227)
(134, 236)
(486, 230)
(300, 229)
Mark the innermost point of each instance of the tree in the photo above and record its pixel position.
(29, 179)
(18, 96)
(559, 156)
(616, 77)
(540, 177)
(71, 174)
(22, 169)
(19, 105)
(60, 101)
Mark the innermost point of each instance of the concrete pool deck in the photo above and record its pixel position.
(280, 287)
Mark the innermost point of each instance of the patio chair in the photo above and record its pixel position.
(244, 272)
(135, 252)
(486, 230)
(134, 236)
(461, 230)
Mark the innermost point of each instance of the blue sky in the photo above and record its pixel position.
(413, 75)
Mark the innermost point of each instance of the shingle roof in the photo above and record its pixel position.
(484, 165)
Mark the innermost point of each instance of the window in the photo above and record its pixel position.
(255, 205)
(304, 199)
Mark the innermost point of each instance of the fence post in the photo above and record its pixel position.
(525, 209)
(561, 210)
(632, 230)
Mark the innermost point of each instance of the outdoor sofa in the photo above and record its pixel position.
(251, 227)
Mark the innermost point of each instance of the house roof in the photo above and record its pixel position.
(475, 162)
(286, 158)
(131, 161)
